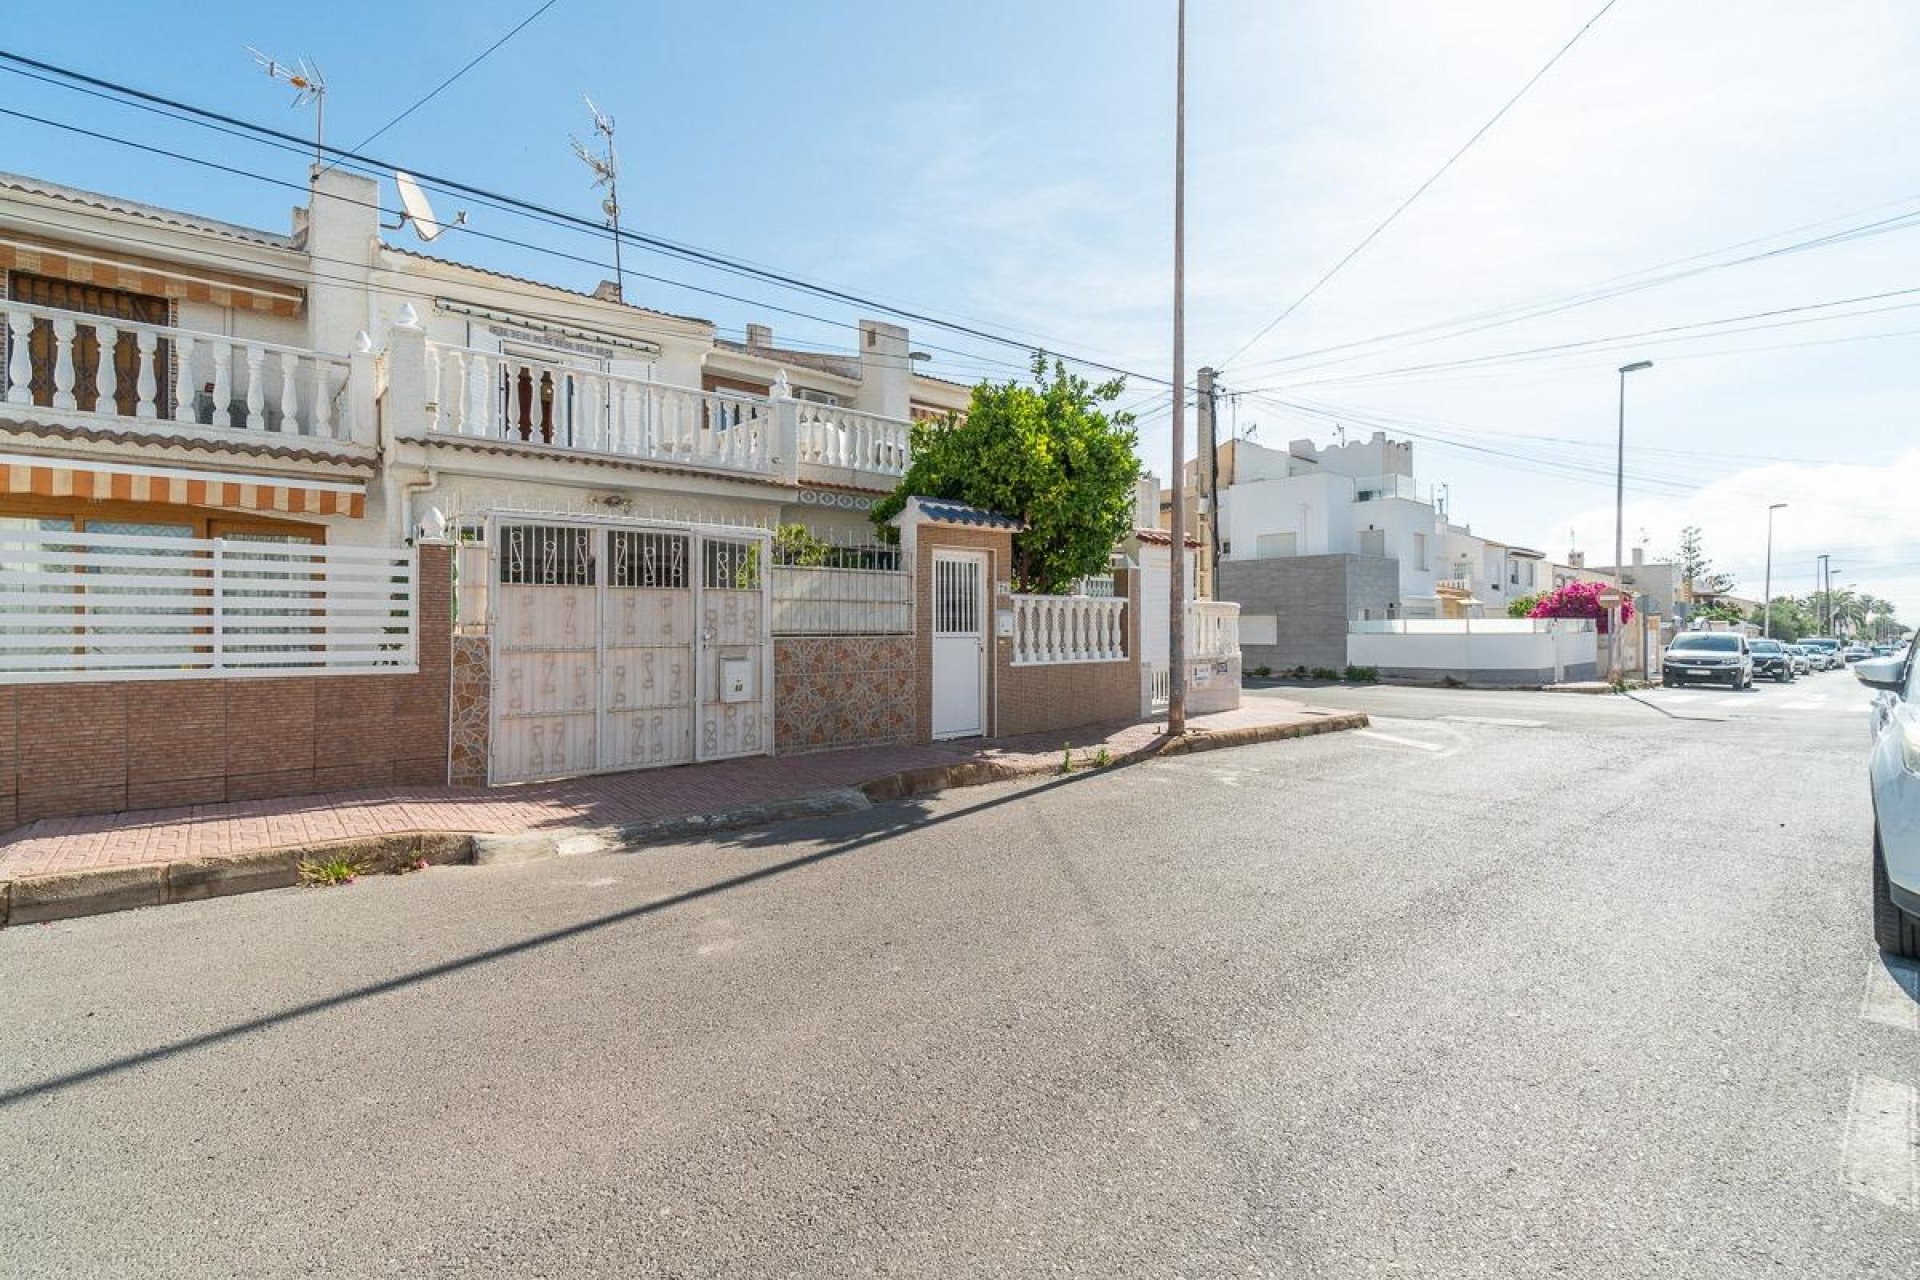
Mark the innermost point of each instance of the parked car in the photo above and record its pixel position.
(1855, 653)
(1802, 660)
(1770, 658)
(1708, 655)
(1893, 777)
(1829, 649)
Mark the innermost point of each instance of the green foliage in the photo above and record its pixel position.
(1102, 758)
(1522, 606)
(1363, 675)
(1790, 620)
(1695, 570)
(794, 545)
(1066, 758)
(1261, 672)
(1715, 611)
(1325, 673)
(1048, 453)
(322, 873)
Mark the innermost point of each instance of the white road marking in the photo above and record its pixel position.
(1893, 995)
(1377, 736)
(1878, 1158)
(1503, 721)
(1678, 698)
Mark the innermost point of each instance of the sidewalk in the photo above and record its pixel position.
(163, 836)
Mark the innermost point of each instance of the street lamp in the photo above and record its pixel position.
(1822, 585)
(1620, 501)
(1766, 593)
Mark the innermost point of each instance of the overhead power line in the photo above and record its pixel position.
(650, 242)
(1419, 191)
(473, 62)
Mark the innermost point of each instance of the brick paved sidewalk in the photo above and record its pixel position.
(167, 835)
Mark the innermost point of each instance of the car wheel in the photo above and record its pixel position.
(1897, 932)
(1782, 678)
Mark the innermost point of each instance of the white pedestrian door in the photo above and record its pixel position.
(959, 644)
(626, 647)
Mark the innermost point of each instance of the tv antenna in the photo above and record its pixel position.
(415, 209)
(606, 173)
(308, 86)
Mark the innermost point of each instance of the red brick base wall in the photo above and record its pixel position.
(73, 749)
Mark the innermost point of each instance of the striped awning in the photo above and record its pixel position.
(133, 482)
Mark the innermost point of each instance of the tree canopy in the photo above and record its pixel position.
(1049, 453)
(1696, 571)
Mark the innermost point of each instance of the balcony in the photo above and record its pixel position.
(85, 370)
(489, 396)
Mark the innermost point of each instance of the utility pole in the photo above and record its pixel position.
(1620, 508)
(1766, 592)
(1207, 406)
(1822, 584)
(1177, 552)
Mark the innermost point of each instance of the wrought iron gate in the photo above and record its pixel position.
(623, 645)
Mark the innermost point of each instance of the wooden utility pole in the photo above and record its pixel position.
(1206, 405)
(1177, 551)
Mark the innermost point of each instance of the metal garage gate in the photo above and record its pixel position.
(623, 645)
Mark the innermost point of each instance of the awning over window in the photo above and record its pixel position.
(131, 482)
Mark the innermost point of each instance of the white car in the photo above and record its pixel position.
(1893, 775)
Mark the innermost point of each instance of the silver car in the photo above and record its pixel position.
(1801, 659)
(1893, 775)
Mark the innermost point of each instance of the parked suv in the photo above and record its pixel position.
(1893, 777)
(1770, 658)
(1708, 655)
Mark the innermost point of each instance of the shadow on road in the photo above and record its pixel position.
(894, 818)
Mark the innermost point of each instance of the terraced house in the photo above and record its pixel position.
(321, 481)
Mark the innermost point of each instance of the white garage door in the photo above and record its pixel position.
(626, 646)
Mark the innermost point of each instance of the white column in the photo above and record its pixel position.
(146, 384)
(106, 378)
(19, 361)
(289, 394)
(63, 331)
(183, 392)
(256, 390)
(322, 399)
(479, 397)
(222, 384)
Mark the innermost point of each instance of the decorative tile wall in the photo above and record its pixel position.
(469, 710)
(842, 691)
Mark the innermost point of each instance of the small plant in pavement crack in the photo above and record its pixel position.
(1066, 757)
(322, 873)
(1102, 758)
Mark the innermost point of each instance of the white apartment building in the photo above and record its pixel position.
(1361, 499)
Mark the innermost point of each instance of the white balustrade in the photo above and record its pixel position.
(1049, 630)
(183, 377)
(503, 397)
(1213, 628)
(834, 437)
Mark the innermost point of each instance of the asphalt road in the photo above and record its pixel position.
(1508, 985)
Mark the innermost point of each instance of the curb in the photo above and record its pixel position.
(62, 895)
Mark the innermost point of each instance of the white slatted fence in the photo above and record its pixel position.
(99, 606)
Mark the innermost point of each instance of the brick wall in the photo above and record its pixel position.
(1022, 699)
(842, 691)
(1062, 695)
(72, 749)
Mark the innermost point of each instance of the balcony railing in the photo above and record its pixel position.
(494, 397)
(1213, 629)
(491, 396)
(79, 366)
(866, 442)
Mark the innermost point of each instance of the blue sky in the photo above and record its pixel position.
(1009, 165)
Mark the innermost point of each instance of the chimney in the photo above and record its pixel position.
(342, 232)
(1576, 559)
(759, 337)
(1639, 557)
(886, 373)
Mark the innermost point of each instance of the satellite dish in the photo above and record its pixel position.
(416, 209)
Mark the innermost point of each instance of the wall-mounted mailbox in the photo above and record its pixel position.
(1003, 624)
(736, 680)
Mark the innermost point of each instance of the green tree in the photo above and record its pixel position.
(1696, 571)
(1716, 611)
(1522, 606)
(1049, 453)
(1790, 620)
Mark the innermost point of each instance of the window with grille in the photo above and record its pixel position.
(537, 555)
(730, 564)
(645, 558)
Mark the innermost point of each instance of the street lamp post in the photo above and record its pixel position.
(1620, 506)
(1821, 594)
(1766, 592)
